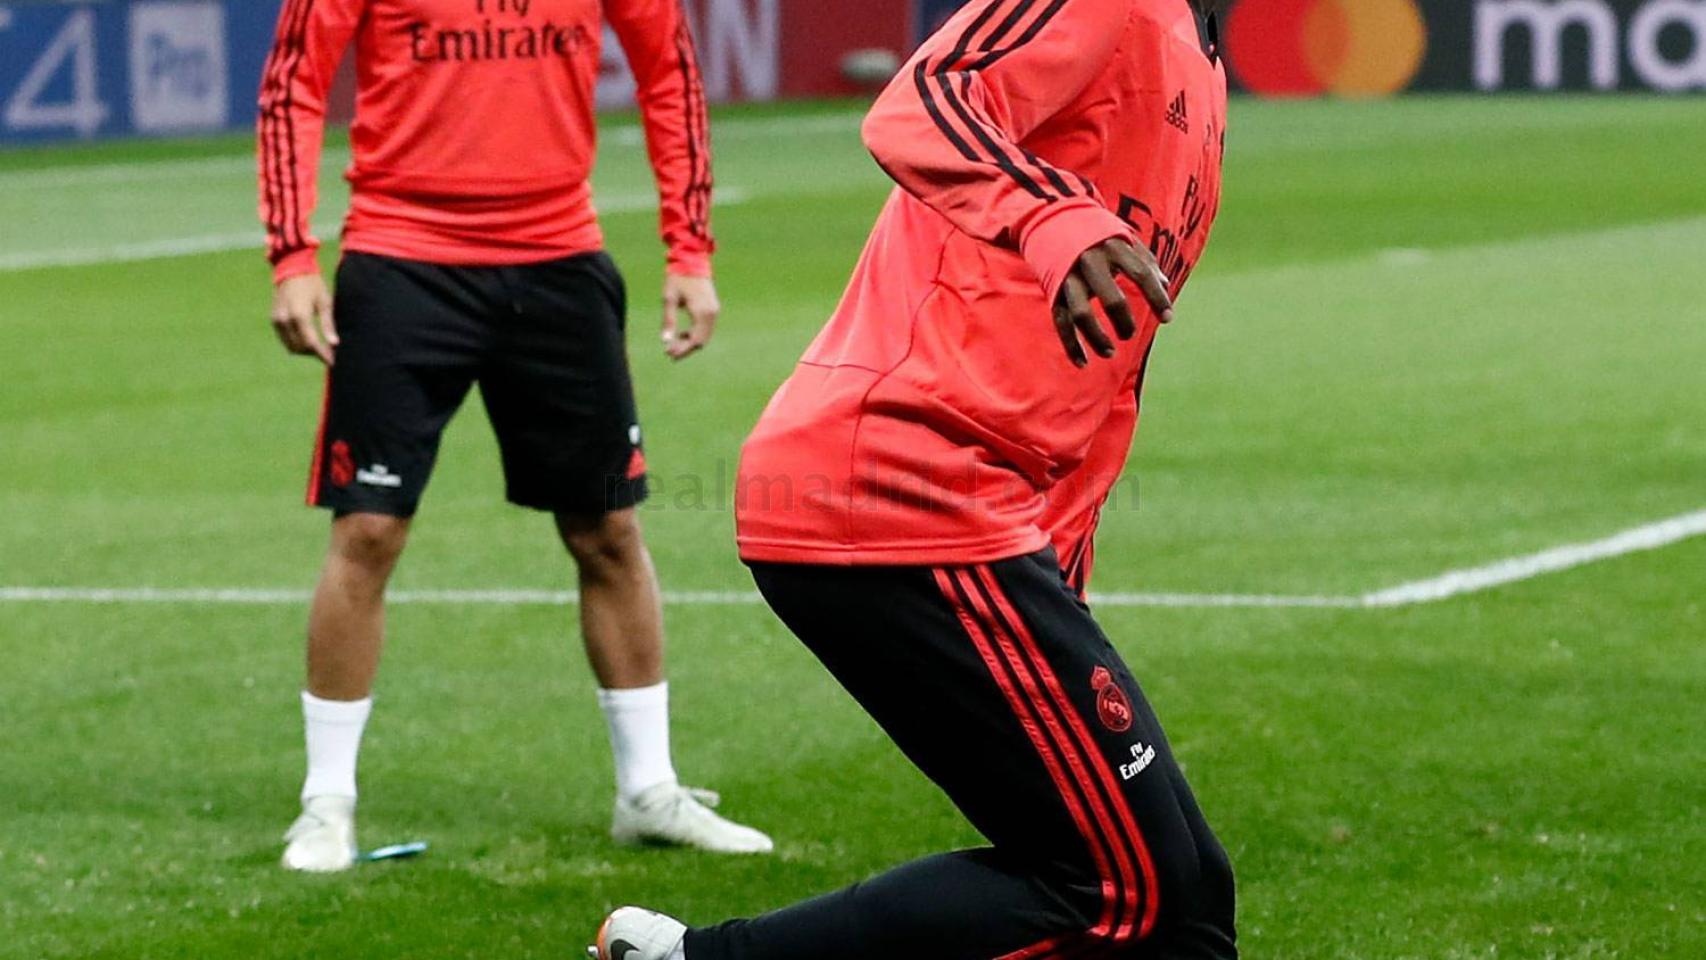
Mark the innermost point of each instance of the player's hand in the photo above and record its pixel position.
(302, 317)
(697, 298)
(1093, 278)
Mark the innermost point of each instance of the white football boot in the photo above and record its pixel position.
(634, 934)
(672, 815)
(322, 840)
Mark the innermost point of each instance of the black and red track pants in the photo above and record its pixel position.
(996, 681)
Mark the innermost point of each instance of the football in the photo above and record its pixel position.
(870, 68)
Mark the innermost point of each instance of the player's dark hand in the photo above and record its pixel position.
(302, 317)
(696, 297)
(1095, 278)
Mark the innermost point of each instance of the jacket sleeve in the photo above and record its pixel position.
(659, 47)
(950, 128)
(311, 39)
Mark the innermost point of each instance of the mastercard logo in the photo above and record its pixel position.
(1304, 48)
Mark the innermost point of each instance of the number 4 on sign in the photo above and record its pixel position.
(74, 45)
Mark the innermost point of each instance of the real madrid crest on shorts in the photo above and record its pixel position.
(1112, 705)
(343, 465)
(636, 460)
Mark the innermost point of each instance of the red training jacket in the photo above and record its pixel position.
(937, 419)
(475, 127)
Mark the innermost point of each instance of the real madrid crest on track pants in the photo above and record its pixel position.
(995, 680)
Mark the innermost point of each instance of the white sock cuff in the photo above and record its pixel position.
(636, 699)
(639, 737)
(333, 730)
(343, 713)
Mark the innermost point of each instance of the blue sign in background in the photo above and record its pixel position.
(118, 67)
(931, 15)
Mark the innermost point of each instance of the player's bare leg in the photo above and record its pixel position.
(621, 611)
(346, 631)
(346, 626)
(622, 623)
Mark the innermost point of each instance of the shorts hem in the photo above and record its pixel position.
(622, 496)
(398, 510)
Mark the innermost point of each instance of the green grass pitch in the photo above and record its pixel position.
(1430, 334)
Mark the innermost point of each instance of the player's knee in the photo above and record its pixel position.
(1219, 895)
(603, 544)
(1077, 888)
(1195, 908)
(1190, 893)
(370, 540)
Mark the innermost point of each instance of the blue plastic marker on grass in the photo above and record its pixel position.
(400, 851)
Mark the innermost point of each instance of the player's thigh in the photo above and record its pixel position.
(559, 393)
(894, 639)
(1104, 708)
(411, 336)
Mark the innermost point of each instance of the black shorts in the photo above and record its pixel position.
(544, 341)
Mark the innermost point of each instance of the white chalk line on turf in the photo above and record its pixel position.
(169, 247)
(150, 171)
(1456, 583)
(1453, 583)
(279, 597)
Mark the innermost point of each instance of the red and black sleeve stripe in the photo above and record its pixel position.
(934, 79)
(279, 160)
(696, 199)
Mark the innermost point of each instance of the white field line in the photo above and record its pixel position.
(620, 204)
(1199, 601)
(145, 171)
(138, 251)
(1456, 583)
(557, 598)
(280, 597)
(1453, 583)
(150, 171)
(253, 239)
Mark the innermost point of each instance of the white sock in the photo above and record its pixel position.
(334, 730)
(639, 737)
